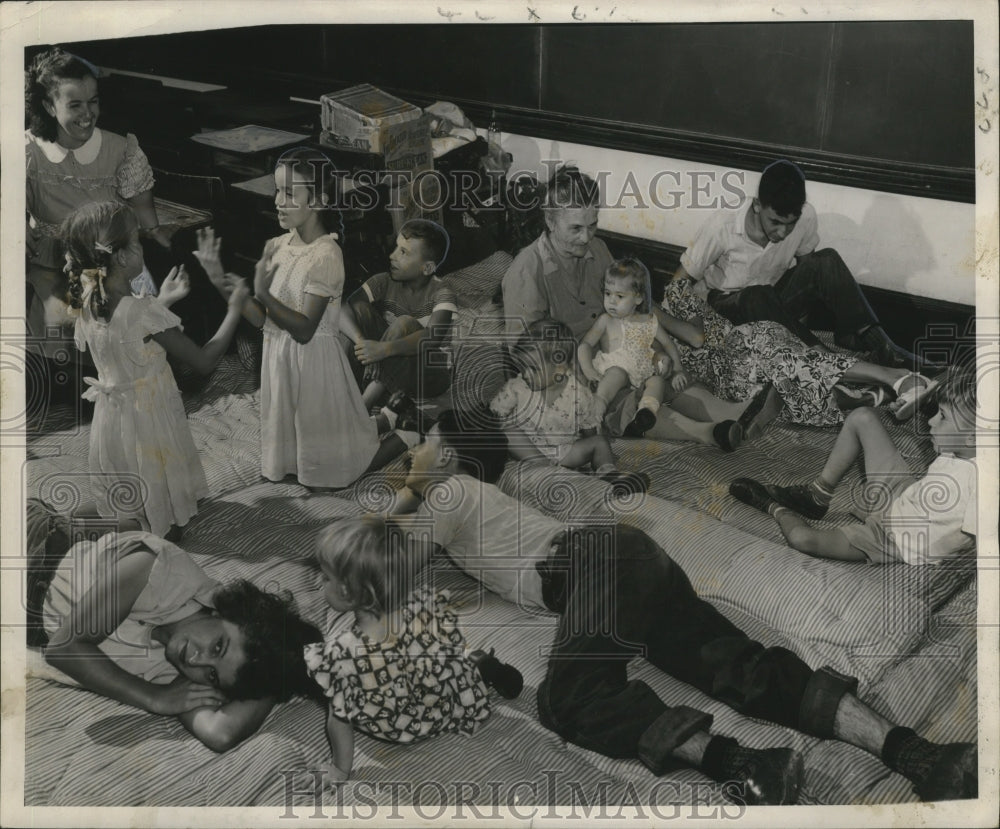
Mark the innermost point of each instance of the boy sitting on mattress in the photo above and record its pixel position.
(912, 520)
(620, 595)
(399, 320)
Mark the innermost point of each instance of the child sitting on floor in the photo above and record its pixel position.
(400, 672)
(402, 317)
(916, 521)
(626, 334)
(547, 413)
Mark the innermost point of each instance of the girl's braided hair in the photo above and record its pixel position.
(90, 236)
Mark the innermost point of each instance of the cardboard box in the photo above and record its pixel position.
(366, 119)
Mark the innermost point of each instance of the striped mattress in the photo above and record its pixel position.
(906, 633)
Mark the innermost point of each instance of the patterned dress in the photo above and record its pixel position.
(736, 360)
(417, 686)
(635, 352)
(554, 427)
(313, 421)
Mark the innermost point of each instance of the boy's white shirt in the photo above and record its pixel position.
(933, 518)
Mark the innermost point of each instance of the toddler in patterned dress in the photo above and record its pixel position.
(625, 336)
(400, 672)
(546, 413)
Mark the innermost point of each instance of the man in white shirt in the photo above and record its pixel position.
(761, 263)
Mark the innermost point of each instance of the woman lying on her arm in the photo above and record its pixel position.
(133, 617)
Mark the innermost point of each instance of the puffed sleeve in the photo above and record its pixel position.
(156, 318)
(134, 173)
(326, 276)
(321, 660)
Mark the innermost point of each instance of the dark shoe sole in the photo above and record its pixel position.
(752, 493)
(807, 508)
(728, 435)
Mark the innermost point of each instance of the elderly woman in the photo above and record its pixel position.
(132, 617)
(561, 275)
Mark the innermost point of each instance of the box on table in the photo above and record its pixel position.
(366, 119)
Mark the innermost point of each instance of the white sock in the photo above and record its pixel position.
(649, 402)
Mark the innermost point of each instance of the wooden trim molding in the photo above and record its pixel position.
(945, 183)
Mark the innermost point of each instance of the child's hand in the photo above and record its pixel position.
(369, 351)
(175, 287)
(680, 380)
(332, 775)
(240, 290)
(263, 276)
(209, 257)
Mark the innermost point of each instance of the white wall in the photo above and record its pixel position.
(923, 247)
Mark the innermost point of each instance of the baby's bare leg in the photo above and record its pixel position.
(614, 380)
(594, 450)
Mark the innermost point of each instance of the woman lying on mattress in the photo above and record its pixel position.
(733, 360)
(132, 617)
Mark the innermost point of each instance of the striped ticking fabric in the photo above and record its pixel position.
(87, 750)
(906, 632)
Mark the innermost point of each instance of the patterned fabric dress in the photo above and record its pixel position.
(143, 460)
(313, 421)
(634, 354)
(736, 360)
(553, 428)
(417, 686)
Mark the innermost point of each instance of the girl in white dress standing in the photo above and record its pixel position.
(144, 467)
(314, 424)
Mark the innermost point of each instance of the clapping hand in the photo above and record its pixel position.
(175, 287)
(263, 276)
(208, 254)
(239, 290)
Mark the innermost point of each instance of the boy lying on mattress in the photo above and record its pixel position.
(907, 519)
(619, 582)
